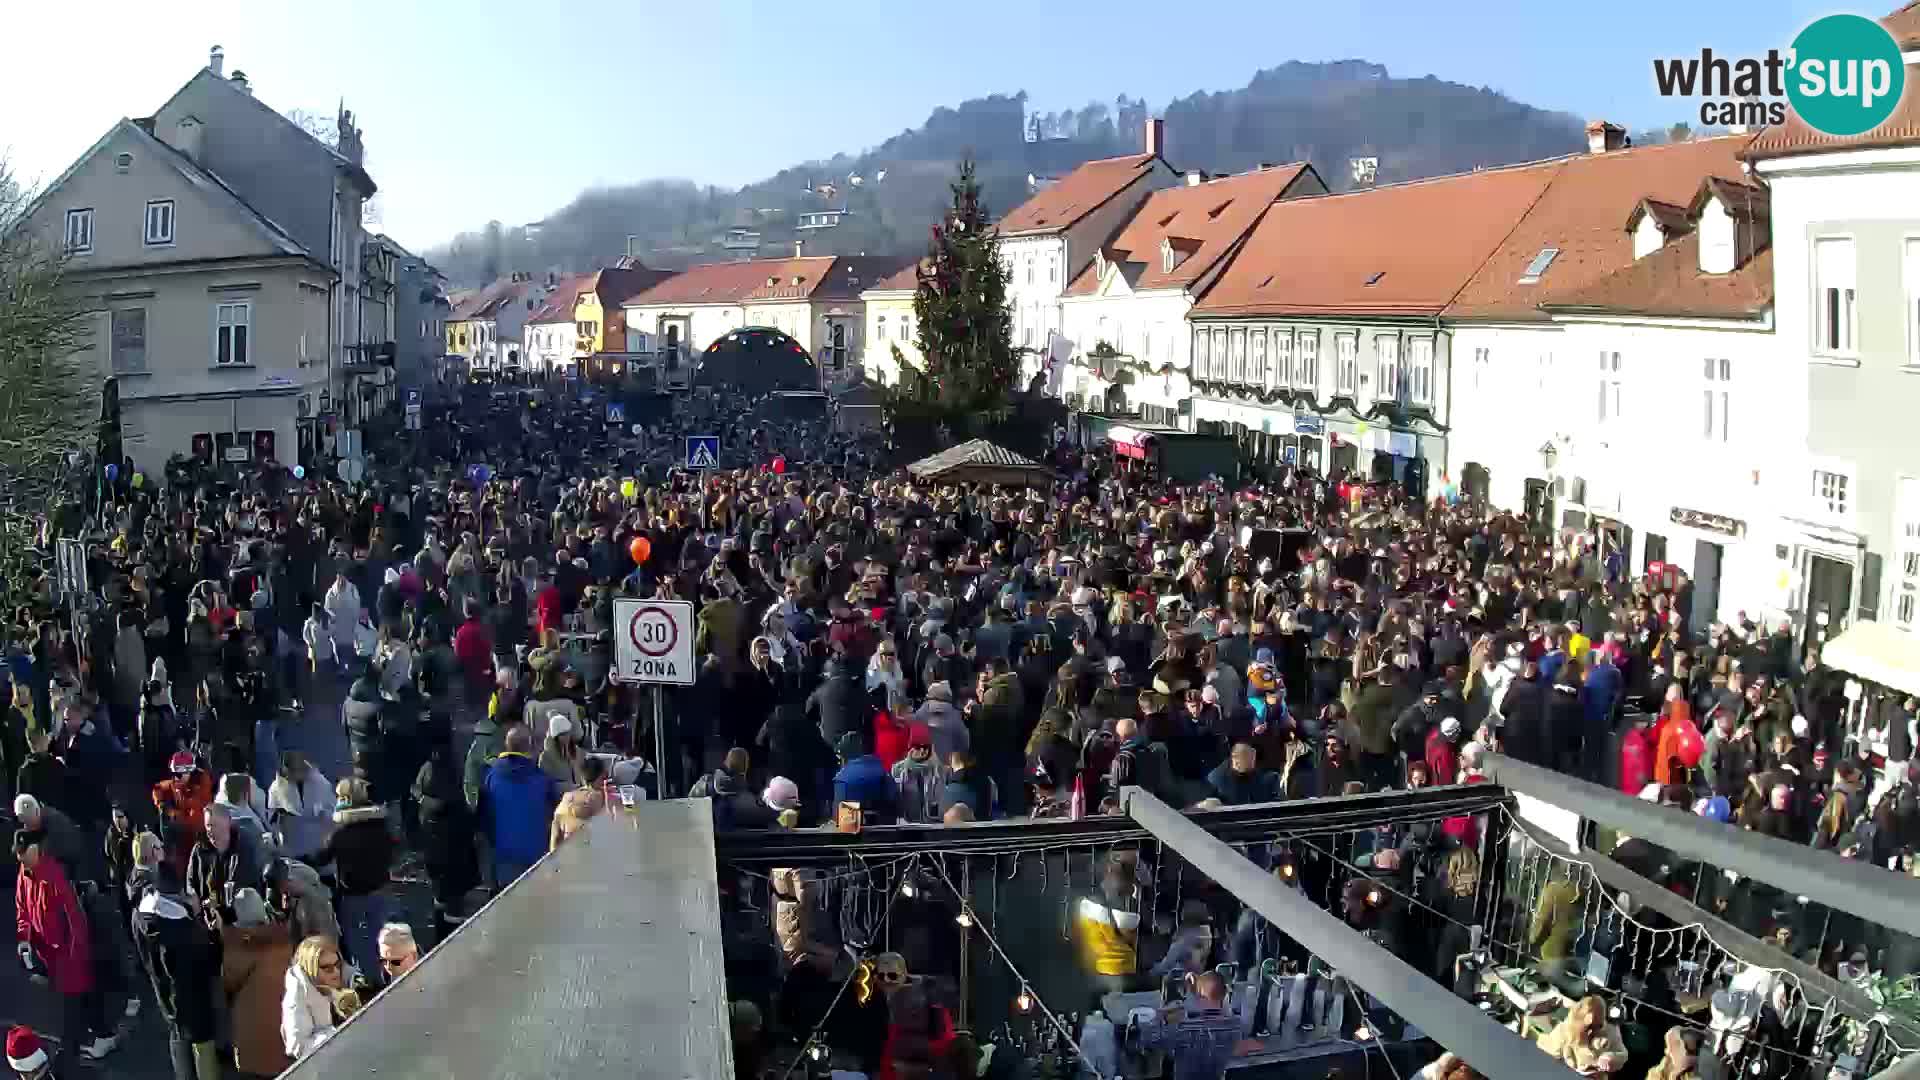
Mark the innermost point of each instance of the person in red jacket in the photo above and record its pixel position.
(1443, 752)
(182, 802)
(473, 647)
(893, 731)
(549, 606)
(54, 943)
(1636, 756)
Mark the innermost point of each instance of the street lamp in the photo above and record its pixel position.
(1548, 453)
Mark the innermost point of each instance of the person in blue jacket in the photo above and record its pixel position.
(864, 779)
(517, 801)
(1239, 780)
(1597, 700)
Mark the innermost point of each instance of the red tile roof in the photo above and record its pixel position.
(1795, 137)
(1668, 282)
(1418, 242)
(560, 301)
(1203, 223)
(819, 277)
(1581, 214)
(1667, 216)
(1904, 25)
(905, 279)
(1075, 195)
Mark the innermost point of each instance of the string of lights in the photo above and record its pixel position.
(813, 1037)
(968, 920)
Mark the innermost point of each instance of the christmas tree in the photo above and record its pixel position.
(960, 314)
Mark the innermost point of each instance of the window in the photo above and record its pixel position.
(880, 328)
(1306, 361)
(1833, 286)
(79, 232)
(1053, 268)
(1257, 357)
(231, 326)
(1911, 271)
(1030, 261)
(1346, 364)
(1481, 358)
(1538, 265)
(1420, 371)
(1220, 367)
(1906, 586)
(1238, 351)
(1282, 357)
(159, 222)
(1609, 386)
(1386, 373)
(1830, 491)
(906, 328)
(1202, 354)
(1718, 375)
(129, 340)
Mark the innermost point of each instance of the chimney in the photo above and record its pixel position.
(186, 136)
(1195, 179)
(1603, 137)
(1156, 136)
(239, 79)
(217, 62)
(797, 245)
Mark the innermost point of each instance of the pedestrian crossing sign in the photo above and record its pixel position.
(703, 451)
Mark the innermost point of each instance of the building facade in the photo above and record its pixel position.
(1048, 240)
(1123, 318)
(1846, 235)
(890, 340)
(212, 320)
(420, 310)
(310, 190)
(1322, 341)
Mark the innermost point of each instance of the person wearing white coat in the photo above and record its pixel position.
(306, 1008)
(343, 608)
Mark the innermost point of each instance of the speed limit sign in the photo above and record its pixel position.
(653, 641)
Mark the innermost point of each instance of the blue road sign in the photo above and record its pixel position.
(1289, 454)
(703, 451)
(616, 412)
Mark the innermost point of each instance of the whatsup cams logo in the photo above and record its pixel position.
(1842, 76)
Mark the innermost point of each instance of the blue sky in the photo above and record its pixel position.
(486, 109)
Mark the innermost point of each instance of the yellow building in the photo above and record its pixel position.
(599, 324)
(889, 317)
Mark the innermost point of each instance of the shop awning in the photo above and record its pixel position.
(1130, 441)
(1877, 653)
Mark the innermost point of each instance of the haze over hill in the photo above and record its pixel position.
(1326, 113)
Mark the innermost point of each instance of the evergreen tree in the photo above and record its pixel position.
(961, 317)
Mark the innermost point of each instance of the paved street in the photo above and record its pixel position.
(143, 1048)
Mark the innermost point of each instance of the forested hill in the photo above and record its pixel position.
(1326, 113)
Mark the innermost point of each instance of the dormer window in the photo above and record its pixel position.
(772, 282)
(1166, 257)
(797, 279)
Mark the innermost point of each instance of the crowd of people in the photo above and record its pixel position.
(912, 652)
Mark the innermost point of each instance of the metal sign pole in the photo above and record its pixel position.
(660, 738)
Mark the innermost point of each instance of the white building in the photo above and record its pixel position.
(1519, 384)
(1134, 297)
(1846, 228)
(1678, 453)
(814, 300)
(1048, 240)
(550, 336)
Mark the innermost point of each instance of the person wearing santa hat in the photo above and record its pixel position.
(27, 1056)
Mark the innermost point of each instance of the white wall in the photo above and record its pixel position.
(1036, 304)
(1658, 454)
(1506, 408)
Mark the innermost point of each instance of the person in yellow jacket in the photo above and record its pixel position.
(1106, 924)
(1586, 1041)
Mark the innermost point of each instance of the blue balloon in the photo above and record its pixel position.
(299, 472)
(113, 472)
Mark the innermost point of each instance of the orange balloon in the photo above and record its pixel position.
(640, 549)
